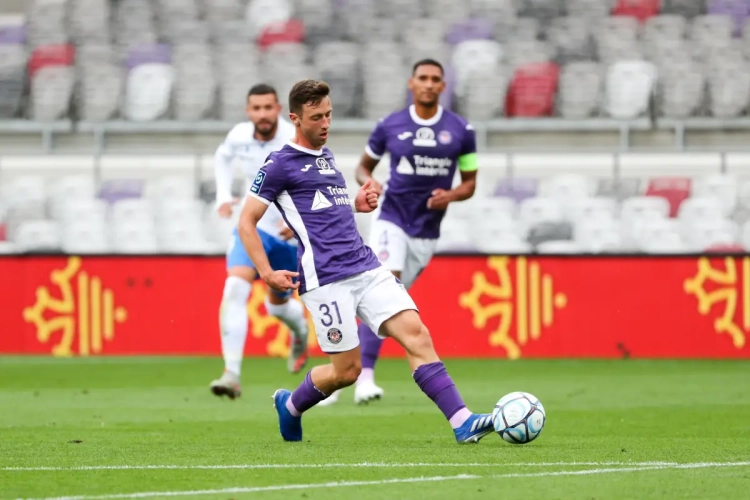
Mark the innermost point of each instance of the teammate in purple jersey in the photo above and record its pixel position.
(426, 144)
(340, 278)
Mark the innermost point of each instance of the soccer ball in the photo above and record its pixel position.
(519, 417)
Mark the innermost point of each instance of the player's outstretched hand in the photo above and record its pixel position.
(281, 280)
(225, 209)
(439, 200)
(367, 198)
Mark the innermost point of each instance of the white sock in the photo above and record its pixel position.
(366, 375)
(460, 418)
(233, 321)
(290, 406)
(292, 314)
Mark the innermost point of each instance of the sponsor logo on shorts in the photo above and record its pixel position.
(383, 255)
(334, 336)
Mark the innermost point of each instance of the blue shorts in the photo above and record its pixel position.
(281, 254)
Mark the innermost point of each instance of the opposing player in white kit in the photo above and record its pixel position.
(251, 142)
(340, 278)
(426, 144)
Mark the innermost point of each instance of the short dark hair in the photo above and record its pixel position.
(262, 89)
(427, 62)
(307, 92)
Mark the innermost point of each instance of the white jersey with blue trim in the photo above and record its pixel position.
(250, 153)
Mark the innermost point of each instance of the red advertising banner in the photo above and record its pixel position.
(506, 307)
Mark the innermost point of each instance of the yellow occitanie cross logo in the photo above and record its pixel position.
(532, 300)
(260, 323)
(82, 307)
(726, 295)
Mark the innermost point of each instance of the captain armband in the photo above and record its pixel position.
(468, 163)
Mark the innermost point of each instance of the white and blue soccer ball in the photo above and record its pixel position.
(519, 417)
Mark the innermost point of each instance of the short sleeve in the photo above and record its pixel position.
(375, 148)
(269, 182)
(469, 141)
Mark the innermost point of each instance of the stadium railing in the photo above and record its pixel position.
(488, 133)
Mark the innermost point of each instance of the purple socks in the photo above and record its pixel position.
(369, 343)
(434, 381)
(304, 397)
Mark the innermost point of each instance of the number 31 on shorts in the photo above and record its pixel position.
(328, 314)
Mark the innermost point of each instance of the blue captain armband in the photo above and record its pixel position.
(468, 163)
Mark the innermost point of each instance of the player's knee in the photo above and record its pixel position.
(236, 289)
(417, 338)
(348, 373)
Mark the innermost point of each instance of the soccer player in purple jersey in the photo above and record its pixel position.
(339, 278)
(426, 144)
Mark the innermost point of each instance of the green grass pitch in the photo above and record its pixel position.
(149, 428)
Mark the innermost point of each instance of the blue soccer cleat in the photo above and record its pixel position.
(475, 428)
(289, 425)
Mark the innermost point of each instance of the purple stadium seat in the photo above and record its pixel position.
(12, 35)
(738, 10)
(470, 29)
(518, 188)
(113, 190)
(446, 98)
(148, 54)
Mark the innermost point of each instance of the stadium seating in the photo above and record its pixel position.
(554, 213)
(623, 51)
(193, 60)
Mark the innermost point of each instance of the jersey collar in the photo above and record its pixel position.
(314, 152)
(425, 123)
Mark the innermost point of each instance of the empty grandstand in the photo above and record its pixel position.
(84, 65)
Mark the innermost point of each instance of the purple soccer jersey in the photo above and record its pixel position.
(311, 194)
(424, 157)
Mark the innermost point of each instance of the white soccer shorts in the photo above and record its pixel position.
(372, 296)
(398, 251)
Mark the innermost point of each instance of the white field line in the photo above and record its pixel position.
(332, 466)
(258, 489)
(340, 484)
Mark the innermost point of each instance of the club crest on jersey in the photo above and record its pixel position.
(258, 182)
(444, 137)
(425, 137)
(323, 167)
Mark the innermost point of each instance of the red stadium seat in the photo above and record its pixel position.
(532, 90)
(674, 189)
(640, 9)
(51, 55)
(292, 31)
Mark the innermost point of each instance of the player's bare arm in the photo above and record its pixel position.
(441, 197)
(252, 212)
(223, 175)
(364, 171)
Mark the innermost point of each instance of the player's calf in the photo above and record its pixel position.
(432, 377)
(343, 371)
(408, 330)
(319, 383)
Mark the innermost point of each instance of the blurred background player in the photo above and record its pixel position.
(251, 142)
(425, 143)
